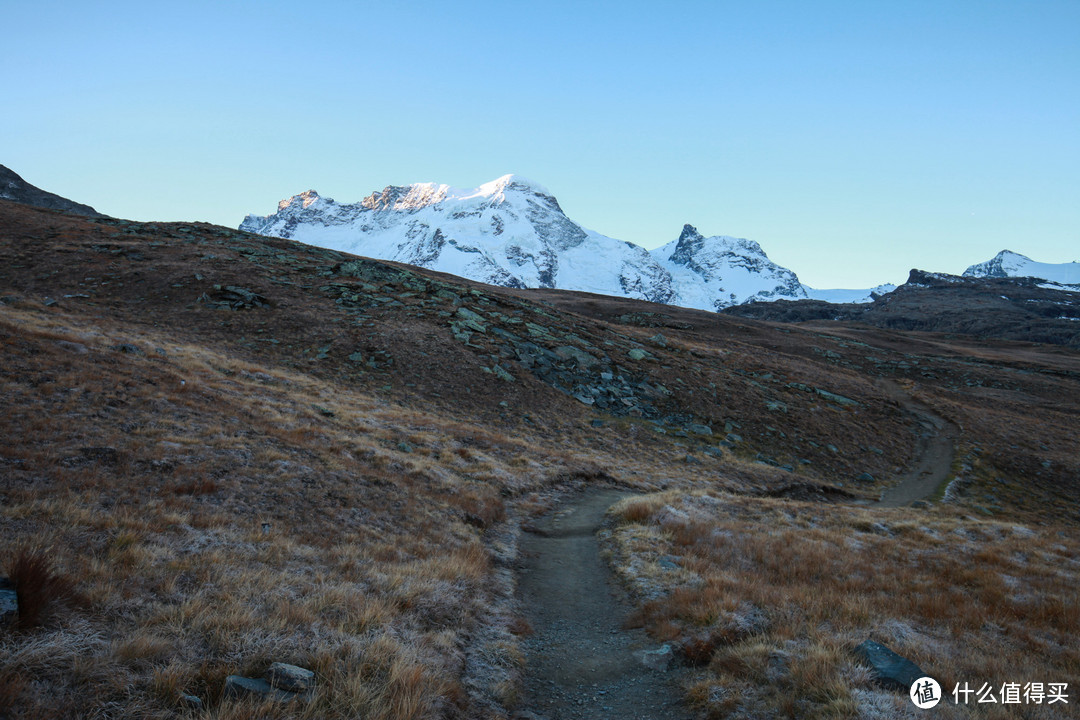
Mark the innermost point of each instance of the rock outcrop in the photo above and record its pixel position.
(14, 188)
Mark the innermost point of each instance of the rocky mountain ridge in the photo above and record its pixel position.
(1011, 308)
(14, 188)
(513, 232)
(1011, 264)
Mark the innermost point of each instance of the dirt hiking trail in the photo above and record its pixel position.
(581, 662)
(933, 453)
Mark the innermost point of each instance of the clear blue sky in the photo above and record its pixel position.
(853, 140)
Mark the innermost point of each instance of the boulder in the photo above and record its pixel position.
(472, 320)
(290, 677)
(237, 687)
(9, 602)
(891, 670)
(73, 347)
(838, 399)
(190, 702)
(569, 352)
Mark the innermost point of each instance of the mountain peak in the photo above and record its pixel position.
(1012, 264)
(303, 200)
(497, 188)
(689, 234)
(512, 232)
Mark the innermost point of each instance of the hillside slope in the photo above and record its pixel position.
(241, 450)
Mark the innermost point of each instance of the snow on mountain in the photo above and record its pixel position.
(712, 273)
(1009, 264)
(508, 232)
(839, 295)
(512, 232)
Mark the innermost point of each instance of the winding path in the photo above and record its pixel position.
(933, 454)
(582, 662)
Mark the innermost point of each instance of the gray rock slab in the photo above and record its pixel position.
(891, 670)
(290, 677)
(237, 687)
(9, 601)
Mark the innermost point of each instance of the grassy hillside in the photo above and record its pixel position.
(222, 450)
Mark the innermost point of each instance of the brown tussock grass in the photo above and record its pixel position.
(761, 578)
(41, 590)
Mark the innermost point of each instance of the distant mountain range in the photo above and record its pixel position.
(1013, 308)
(14, 188)
(512, 232)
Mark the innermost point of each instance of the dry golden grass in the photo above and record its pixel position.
(770, 597)
(227, 488)
(228, 525)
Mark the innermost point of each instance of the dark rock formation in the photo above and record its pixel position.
(1024, 309)
(14, 188)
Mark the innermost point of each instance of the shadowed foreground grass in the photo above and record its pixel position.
(769, 597)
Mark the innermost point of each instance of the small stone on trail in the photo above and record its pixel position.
(659, 659)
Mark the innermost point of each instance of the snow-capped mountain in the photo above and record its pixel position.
(1009, 264)
(716, 272)
(512, 232)
(508, 232)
